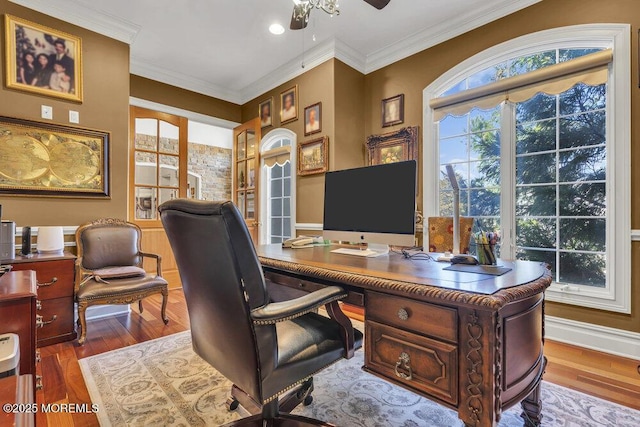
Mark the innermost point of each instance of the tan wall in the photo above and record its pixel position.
(173, 96)
(411, 75)
(105, 107)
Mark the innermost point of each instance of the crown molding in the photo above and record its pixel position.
(310, 59)
(81, 15)
(440, 33)
(181, 80)
(191, 115)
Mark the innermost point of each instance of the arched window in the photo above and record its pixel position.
(537, 130)
(278, 195)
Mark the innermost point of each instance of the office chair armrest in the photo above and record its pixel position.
(158, 259)
(286, 310)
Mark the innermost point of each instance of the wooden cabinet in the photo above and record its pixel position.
(55, 305)
(18, 314)
(246, 181)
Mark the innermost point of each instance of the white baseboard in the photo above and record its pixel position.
(595, 337)
(100, 311)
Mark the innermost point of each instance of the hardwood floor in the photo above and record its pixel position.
(610, 377)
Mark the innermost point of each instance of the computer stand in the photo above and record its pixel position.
(373, 250)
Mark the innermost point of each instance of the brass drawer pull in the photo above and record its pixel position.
(38, 382)
(405, 361)
(38, 305)
(44, 285)
(40, 322)
(403, 314)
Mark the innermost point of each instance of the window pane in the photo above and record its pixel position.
(569, 54)
(582, 98)
(487, 75)
(169, 135)
(536, 136)
(276, 188)
(536, 233)
(275, 239)
(167, 194)
(585, 269)
(583, 234)
(461, 171)
(287, 168)
(286, 206)
(485, 202)
(146, 168)
(583, 200)
(533, 62)
(536, 169)
(536, 201)
(286, 227)
(276, 171)
(242, 174)
(485, 173)
(251, 143)
(276, 226)
(484, 119)
(587, 164)
(540, 107)
(169, 171)
(446, 202)
(548, 257)
(453, 126)
(484, 144)
(583, 129)
(276, 207)
(146, 203)
(251, 205)
(241, 145)
(287, 186)
(453, 150)
(241, 203)
(146, 134)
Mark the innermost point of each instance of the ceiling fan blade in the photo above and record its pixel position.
(378, 4)
(299, 19)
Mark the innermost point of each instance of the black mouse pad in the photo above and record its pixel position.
(491, 270)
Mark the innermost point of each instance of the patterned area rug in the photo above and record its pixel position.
(162, 382)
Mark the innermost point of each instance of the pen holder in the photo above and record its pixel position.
(486, 253)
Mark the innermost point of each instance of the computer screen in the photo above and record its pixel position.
(374, 204)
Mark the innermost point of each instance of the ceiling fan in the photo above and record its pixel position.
(302, 9)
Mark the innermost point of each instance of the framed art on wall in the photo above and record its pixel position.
(393, 147)
(45, 159)
(313, 119)
(289, 105)
(393, 110)
(42, 60)
(264, 112)
(313, 156)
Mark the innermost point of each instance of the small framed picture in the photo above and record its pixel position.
(313, 119)
(289, 105)
(264, 112)
(393, 147)
(393, 110)
(42, 60)
(313, 156)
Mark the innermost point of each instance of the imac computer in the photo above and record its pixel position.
(374, 205)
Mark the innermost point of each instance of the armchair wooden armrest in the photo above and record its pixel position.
(158, 259)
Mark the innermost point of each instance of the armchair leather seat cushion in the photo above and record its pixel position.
(93, 288)
(119, 272)
(306, 345)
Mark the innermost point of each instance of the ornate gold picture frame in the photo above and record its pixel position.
(393, 147)
(42, 60)
(313, 156)
(45, 159)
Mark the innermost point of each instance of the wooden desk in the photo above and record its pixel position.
(471, 342)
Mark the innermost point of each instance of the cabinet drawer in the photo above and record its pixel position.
(46, 271)
(417, 362)
(62, 309)
(354, 298)
(421, 317)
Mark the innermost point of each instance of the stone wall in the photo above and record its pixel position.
(213, 164)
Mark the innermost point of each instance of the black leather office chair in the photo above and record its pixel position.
(265, 348)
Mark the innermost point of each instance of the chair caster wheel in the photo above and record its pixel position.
(232, 404)
(307, 400)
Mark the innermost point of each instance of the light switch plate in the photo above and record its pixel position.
(46, 112)
(74, 116)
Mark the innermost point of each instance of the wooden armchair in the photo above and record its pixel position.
(109, 268)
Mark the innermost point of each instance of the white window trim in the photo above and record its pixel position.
(271, 136)
(617, 295)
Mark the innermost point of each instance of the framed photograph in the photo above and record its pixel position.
(45, 159)
(42, 60)
(313, 156)
(289, 105)
(393, 110)
(394, 146)
(313, 119)
(264, 112)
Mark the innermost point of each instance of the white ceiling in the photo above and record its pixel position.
(223, 48)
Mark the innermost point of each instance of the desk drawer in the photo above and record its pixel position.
(55, 278)
(418, 362)
(62, 310)
(354, 298)
(421, 317)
